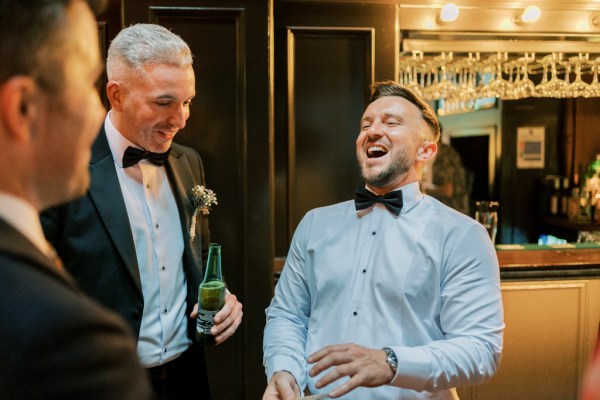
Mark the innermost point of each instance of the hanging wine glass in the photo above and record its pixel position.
(466, 84)
(579, 88)
(430, 90)
(510, 93)
(484, 74)
(498, 85)
(445, 87)
(556, 87)
(595, 85)
(525, 88)
(541, 88)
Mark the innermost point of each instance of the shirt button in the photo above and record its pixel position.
(165, 349)
(147, 186)
(355, 313)
(373, 233)
(163, 267)
(165, 310)
(156, 226)
(364, 271)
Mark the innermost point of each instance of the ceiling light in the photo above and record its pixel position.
(448, 13)
(529, 15)
(595, 20)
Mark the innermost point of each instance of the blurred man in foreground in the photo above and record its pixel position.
(55, 342)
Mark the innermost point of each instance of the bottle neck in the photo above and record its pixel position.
(213, 264)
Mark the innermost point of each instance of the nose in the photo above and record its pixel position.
(179, 116)
(375, 129)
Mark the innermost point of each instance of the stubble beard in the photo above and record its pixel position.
(400, 165)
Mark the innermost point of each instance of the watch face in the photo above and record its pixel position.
(391, 358)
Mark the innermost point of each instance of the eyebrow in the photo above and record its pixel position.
(385, 115)
(171, 97)
(166, 97)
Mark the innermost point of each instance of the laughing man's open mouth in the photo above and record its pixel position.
(376, 152)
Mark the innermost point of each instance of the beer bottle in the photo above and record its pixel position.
(211, 295)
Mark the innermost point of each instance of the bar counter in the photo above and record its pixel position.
(551, 298)
(555, 261)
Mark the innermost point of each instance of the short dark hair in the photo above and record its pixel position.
(32, 36)
(391, 88)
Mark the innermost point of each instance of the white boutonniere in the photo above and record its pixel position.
(202, 199)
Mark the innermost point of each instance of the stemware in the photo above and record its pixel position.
(511, 89)
(498, 85)
(594, 89)
(578, 87)
(540, 89)
(525, 87)
(556, 87)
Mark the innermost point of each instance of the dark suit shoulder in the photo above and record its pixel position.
(56, 343)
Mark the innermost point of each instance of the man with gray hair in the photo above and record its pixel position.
(128, 241)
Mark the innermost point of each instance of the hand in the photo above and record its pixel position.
(227, 320)
(365, 367)
(282, 386)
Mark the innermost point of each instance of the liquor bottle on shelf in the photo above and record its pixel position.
(553, 183)
(211, 295)
(565, 193)
(573, 208)
(585, 206)
(592, 188)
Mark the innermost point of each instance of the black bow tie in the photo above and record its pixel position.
(132, 156)
(391, 200)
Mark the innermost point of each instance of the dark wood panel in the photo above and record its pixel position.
(331, 69)
(230, 126)
(216, 129)
(327, 55)
(109, 24)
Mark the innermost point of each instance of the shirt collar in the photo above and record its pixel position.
(25, 218)
(116, 141)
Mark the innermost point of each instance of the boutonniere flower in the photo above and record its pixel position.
(203, 199)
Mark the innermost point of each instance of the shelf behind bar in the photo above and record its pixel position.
(502, 46)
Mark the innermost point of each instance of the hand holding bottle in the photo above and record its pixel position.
(227, 320)
(218, 313)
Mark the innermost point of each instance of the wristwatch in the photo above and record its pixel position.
(390, 358)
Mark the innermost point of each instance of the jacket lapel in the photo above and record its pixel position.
(13, 242)
(105, 192)
(182, 181)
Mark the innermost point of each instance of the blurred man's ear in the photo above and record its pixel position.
(18, 105)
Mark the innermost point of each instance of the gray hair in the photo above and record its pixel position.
(144, 44)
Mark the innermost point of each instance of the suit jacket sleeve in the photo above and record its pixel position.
(58, 344)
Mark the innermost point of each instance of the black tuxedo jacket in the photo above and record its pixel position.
(55, 342)
(93, 236)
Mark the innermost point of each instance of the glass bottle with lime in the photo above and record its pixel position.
(211, 295)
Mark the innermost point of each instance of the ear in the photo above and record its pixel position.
(114, 93)
(427, 151)
(18, 107)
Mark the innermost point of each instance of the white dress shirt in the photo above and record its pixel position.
(158, 238)
(25, 218)
(425, 283)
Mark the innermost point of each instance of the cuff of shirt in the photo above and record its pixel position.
(283, 363)
(413, 369)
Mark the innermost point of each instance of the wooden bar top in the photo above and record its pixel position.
(549, 263)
